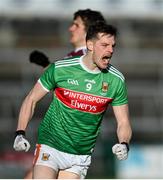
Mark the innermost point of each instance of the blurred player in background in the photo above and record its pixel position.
(83, 87)
(81, 21)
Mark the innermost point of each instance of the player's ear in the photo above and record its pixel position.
(89, 45)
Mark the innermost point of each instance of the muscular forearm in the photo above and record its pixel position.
(28, 106)
(26, 112)
(124, 132)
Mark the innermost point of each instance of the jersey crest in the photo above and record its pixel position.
(105, 86)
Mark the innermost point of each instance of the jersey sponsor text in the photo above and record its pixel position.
(82, 101)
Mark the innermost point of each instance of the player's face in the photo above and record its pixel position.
(77, 33)
(102, 50)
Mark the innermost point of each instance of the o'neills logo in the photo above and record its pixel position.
(82, 101)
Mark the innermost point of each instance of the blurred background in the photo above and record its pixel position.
(27, 25)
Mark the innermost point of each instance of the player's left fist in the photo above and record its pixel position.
(121, 150)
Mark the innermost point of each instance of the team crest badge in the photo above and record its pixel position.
(45, 156)
(105, 87)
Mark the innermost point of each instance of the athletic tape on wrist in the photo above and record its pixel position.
(20, 132)
(127, 145)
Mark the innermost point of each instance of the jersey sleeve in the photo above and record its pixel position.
(47, 79)
(121, 94)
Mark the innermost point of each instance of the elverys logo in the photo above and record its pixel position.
(82, 101)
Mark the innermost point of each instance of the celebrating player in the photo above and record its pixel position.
(81, 21)
(83, 87)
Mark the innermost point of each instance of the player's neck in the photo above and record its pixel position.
(89, 63)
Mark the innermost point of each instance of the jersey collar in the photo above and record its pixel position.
(87, 69)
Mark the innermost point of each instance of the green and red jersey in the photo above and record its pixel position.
(81, 97)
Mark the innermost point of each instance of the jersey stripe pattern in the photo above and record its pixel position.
(72, 122)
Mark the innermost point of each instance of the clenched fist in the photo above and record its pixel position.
(121, 151)
(21, 143)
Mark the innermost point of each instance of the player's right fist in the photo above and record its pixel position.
(21, 143)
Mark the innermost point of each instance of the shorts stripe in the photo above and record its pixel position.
(37, 152)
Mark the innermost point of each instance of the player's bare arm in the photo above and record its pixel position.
(26, 113)
(124, 131)
(28, 105)
(123, 123)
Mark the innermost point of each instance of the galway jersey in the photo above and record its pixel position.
(77, 52)
(72, 122)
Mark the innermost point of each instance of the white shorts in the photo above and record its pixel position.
(57, 160)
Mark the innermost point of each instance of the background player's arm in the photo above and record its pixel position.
(39, 58)
(28, 105)
(124, 131)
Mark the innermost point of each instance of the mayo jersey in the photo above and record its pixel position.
(72, 122)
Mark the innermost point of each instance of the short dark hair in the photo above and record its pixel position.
(89, 17)
(100, 27)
